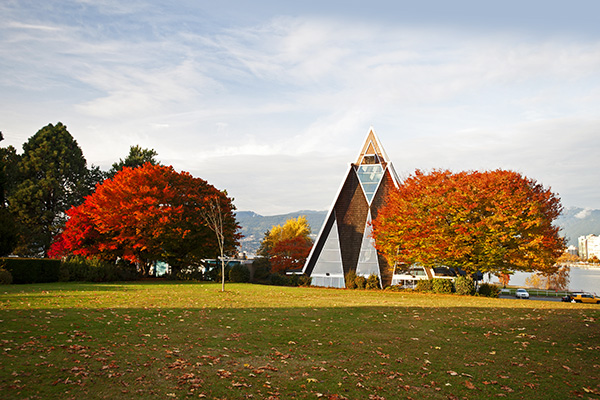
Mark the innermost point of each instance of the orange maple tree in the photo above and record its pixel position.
(504, 278)
(146, 214)
(493, 221)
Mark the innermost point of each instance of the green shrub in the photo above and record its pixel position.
(32, 270)
(489, 290)
(5, 277)
(464, 285)
(262, 269)
(127, 271)
(239, 273)
(372, 282)
(350, 279)
(441, 285)
(72, 271)
(361, 282)
(424, 285)
(294, 279)
(64, 275)
(81, 269)
(216, 272)
(305, 280)
(279, 280)
(395, 288)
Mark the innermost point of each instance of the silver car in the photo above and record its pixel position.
(522, 294)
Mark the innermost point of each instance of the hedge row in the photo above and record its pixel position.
(32, 270)
(462, 285)
(80, 269)
(45, 270)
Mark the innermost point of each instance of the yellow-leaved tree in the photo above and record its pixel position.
(287, 246)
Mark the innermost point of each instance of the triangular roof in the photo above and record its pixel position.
(363, 191)
(372, 147)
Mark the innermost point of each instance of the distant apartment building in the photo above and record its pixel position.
(589, 246)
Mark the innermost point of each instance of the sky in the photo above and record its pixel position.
(272, 100)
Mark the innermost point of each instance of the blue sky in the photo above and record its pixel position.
(272, 100)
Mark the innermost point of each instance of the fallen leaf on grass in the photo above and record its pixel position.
(268, 368)
(223, 373)
(453, 373)
(469, 385)
(591, 390)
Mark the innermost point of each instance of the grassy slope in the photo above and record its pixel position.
(147, 340)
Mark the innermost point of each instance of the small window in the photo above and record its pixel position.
(370, 159)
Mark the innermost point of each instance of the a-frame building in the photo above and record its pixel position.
(345, 243)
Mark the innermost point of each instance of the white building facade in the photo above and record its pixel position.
(589, 246)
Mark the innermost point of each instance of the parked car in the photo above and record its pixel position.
(586, 298)
(522, 294)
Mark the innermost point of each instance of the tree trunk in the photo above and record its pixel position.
(222, 273)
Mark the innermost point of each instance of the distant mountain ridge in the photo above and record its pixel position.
(574, 222)
(255, 225)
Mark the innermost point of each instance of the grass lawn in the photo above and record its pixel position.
(173, 340)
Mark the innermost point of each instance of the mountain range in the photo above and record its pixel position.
(574, 222)
(255, 225)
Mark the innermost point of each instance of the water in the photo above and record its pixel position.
(582, 279)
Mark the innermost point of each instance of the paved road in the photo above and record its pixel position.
(532, 298)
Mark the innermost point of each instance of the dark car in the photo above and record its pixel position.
(570, 298)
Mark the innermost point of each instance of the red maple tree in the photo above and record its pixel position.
(492, 221)
(146, 214)
(289, 254)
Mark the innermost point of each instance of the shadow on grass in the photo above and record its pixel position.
(396, 351)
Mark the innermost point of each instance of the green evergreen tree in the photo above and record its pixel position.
(136, 158)
(52, 178)
(9, 161)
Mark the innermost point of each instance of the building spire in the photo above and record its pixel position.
(372, 151)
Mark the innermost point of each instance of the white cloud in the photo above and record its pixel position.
(305, 90)
(36, 27)
(583, 214)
